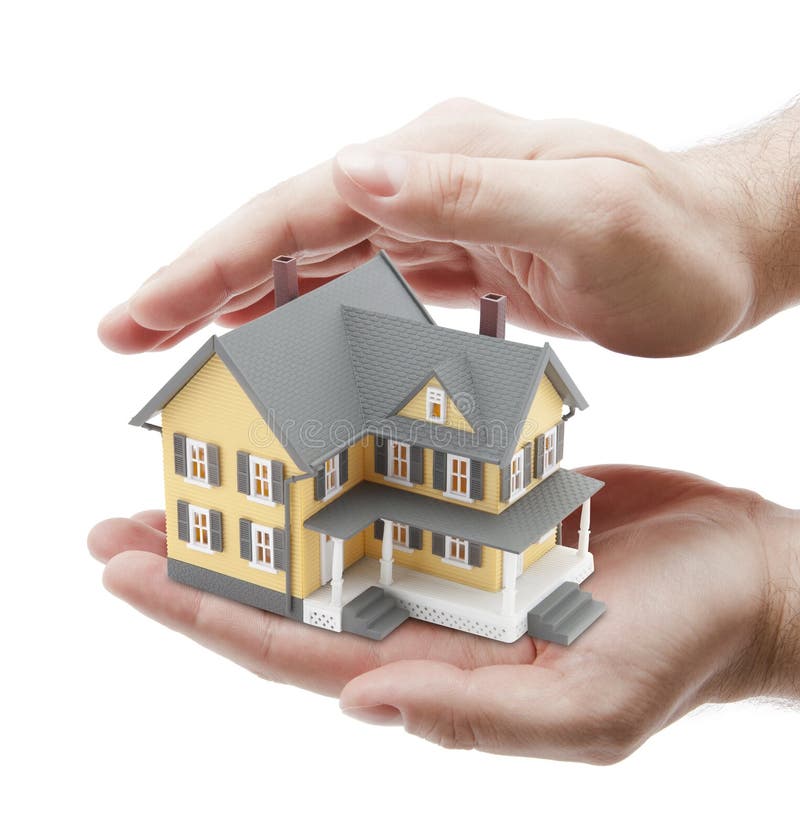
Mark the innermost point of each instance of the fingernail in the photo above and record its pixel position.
(375, 714)
(377, 172)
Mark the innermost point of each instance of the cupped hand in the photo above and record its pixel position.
(590, 233)
(693, 575)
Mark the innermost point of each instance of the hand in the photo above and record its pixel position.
(701, 586)
(588, 231)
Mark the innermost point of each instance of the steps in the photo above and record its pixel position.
(373, 614)
(564, 615)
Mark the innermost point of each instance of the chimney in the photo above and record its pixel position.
(493, 315)
(284, 273)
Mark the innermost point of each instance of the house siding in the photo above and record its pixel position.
(537, 551)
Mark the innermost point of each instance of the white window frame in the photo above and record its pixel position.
(201, 446)
(518, 462)
(257, 530)
(451, 545)
(552, 437)
(264, 464)
(391, 474)
(435, 396)
(335, 472)
(449, 493)
(195, 545)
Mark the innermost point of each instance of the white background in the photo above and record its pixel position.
(126, 133)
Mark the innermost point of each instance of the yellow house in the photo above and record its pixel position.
(346, 462)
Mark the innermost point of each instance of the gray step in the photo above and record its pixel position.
(565, 607)
(375, 609)
(564, 615)
(373, 614)
(366, 598)
(386, 623)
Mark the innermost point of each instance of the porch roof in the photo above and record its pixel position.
(522, 524)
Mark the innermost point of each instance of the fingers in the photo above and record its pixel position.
(145, 532)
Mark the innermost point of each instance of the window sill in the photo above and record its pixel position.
(267, 502)
(456, 497)
(197, 482)
(260, 566)
(400, 481)
(458, 564)
(333, 493)
(403, 549)
(200, 548)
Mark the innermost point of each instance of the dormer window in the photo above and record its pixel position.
(435, 405)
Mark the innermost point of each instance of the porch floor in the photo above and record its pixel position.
(452, 604)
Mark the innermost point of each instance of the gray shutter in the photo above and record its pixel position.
(558, 534)
(527, 455)
(505, 483)
(381, 456)
(417, 471)
(179, 444)
(276, 470)
(213, 464)
(215, 521)
(538, 468)
(344, 466)
(437, 544)
(183, 521)
(415, 538)
(475, 554)
(377, 528)
(245, 539)
(319, 484)
(243, 472)
(476, 479)
(279, 552)
(560, 441)
(440, 471)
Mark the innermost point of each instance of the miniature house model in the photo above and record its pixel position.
(346, 462)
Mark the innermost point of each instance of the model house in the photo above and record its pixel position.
(346, 462)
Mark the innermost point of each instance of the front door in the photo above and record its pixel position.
(325, 558)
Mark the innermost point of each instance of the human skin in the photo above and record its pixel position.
(590, 233)
(704, 581)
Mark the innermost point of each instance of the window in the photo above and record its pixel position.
(197, 460)
(550, 442)
(457, 475)
(260, 479)
(517, 470)
(435, 403)
(456, 551)
(199, 529)
(262, 556)
(400, 535)
(331, 475)
(399, 460)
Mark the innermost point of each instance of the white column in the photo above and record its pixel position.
(337, 571)
(387, 551)
(511, 562)
(583, 533)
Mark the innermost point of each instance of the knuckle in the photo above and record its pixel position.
(456, 107)
(457, 186)
(449, 729)
(618, 198)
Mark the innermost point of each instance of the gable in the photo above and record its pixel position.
(416, 407)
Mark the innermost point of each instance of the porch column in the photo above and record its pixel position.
(583, 533)
(511, 562)
(386, 553)
(337, 571)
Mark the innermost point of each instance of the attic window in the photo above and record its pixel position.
(435, 403)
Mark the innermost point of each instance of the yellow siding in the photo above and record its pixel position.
(416, 408)
(537, 551)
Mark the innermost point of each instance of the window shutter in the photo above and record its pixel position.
(213, 464)
(377, 528)
(319, 484)
(245, 539)
(215, 522)
(560, 441)
(505, 483)
(279, 552)
(437, 544)
(475, 554)
(417, 470)
(526, 464)
(179, 444)
(183, 521)
(243, 472)
(415, 538)
(475, 479)
(276, 470)
(344, 466)
(381, 456)
(538, 469)
(440, 471)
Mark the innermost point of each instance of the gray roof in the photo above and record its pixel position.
(333, 364)
(522, 524)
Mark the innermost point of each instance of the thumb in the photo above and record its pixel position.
(454, 197)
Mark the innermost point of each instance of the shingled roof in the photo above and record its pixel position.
(341, 361)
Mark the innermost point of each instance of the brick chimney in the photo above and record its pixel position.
(493, 315)
(284, 272)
